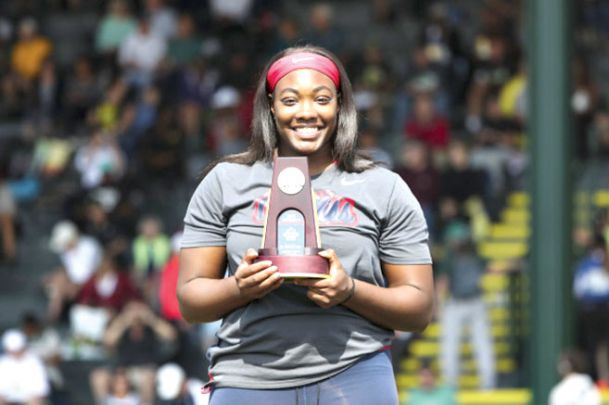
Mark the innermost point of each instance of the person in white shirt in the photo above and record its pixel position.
(23, 379)
(163, 19)
(141, 54)
(174, 387)
(99, 160)
(575, 387)
(80, 256)
(45, 342)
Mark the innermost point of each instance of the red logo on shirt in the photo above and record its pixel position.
(331, 209)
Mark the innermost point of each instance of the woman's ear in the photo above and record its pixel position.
(271, 104)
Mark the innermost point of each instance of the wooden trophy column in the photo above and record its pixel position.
(291, 233)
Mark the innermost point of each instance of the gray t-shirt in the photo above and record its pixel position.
(283, 339)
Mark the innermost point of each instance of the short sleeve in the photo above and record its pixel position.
(404, 236)
(204, 222)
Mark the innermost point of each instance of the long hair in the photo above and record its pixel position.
(264, 132)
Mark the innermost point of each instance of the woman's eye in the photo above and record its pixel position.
(323, 100)
(288, 101)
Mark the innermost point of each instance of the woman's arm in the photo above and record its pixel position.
(205, 295)
(405, 304)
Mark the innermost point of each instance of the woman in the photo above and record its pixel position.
(324, 339)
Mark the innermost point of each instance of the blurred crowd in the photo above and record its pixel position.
(110, 110)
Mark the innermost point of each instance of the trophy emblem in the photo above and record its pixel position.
(291, 233)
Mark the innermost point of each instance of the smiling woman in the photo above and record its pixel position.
(325, 339)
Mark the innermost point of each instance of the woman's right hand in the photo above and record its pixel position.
(256, 279)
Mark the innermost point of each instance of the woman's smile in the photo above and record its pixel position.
(307, 133)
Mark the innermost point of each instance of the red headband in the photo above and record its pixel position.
(301, 60)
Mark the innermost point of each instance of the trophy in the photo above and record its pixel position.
(291, 234)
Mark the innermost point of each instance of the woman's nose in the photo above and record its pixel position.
(307, 109)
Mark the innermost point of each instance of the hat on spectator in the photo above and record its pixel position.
(13, 341)
(64, 233)
(169, 380)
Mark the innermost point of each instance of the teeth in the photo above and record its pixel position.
(307, 131)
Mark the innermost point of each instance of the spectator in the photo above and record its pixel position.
(98, 224)
(460, 182)
(368, 143)
(80, 256)
(494, 151)
(114, 27)
(513, 96)
(322, 29)
(82, 92)
(99, 161)
(151, 249)
(196, 84)
(599, 137)
(30, 51)
(235, 12)
(288, 33)
(140, 54)
(426, 125)
(591, 289)
(8, 226)
(23, 379)
(45, 342)
(186, 46)
(422, 178)
(48, 89)
(121, 391)
(440, 41)
(460, 274)
(493, 66)
(226, 133)
(109, 287)
(575, 387)
(426, 77)
(107, 114)
(163, 21)
(51, 154)
(174, 388)
(584, 102)
(429, 392)
(138, 118)
(135, 336)
(162, 152)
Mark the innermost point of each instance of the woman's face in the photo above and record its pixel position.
(305, 106)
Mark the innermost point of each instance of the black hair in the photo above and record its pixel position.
(264, 132)
(573, 361)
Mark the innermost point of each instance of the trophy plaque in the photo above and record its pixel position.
(291, 234)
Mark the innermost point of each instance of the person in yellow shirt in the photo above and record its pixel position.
(29, 51)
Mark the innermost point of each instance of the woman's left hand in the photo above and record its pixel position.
(331, 291)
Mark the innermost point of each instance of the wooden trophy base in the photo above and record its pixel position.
(308, 265)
